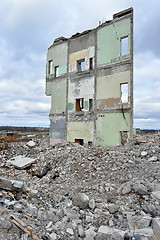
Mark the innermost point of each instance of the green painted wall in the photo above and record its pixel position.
(58, 54)
(80, 130)
(108, 127)
(83, 88)
(109, 86)
(48, 88)
(58, 102)
(86, 105)
(70, 106)
(109, 42)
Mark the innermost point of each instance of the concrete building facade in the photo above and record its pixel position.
(89, 77)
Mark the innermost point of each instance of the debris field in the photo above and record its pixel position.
(74, 192)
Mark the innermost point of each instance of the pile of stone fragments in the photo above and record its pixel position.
(77, 192)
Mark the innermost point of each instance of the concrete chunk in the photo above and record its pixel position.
(22, 162)
(31, 144)
(10, 184)
(81, 200)
(156, 228)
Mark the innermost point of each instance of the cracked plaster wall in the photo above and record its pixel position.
(109, 117)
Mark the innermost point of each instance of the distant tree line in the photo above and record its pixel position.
(24, 129)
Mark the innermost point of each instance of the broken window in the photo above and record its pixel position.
(80, 141)
(81, 65)
(124, 46)
(56, 71)
(124, 93)
(90, 104)
(89, 143)
(124, 137)
(79, 104)
(91, 63)
(50, 67)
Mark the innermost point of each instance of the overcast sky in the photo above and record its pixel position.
(28, 28)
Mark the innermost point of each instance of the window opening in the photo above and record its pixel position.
(79, 141)
(56, 71)
(81, 65)
(124, 46)
(50, 67)
(124, 93)
(79, 104)
(90, 104)
(91, 63)
(124, 137)
(89, 143)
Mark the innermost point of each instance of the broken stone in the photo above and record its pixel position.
(143, 153)
(10, 184)
(156, 228)
(81, 200)
(113, 208)
(90, 233)
(46, 203)
(18, 207)
(140, 189)
(126, 188)
(107, 230)
(53, 236)
(102, 236)
(139, 222)
(69, 231)
(92, 204)
(31, 144)
(81, 232)
(22, 162)
(153, 159)
(156, 195)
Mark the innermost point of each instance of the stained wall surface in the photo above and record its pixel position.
(58, 54)
(80, 130)
(85, 54)
(109, 126)
(109, 42)
(86, 94)
(58, 129)
(80, 88)
(58, 99)
(109, 90)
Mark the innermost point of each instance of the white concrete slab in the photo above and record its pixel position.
(21, 162)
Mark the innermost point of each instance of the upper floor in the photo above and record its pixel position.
(108, 44)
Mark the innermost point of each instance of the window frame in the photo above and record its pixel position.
(91, 63)
(56, 71)
(90, 104)
(123, 47)
(79, 65)
(79, 104)
(122, 93)
(50, 67)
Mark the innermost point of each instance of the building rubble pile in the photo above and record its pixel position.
(77, 192)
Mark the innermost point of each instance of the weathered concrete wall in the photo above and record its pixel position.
(58, 129)
(48, 90)
(80, 130)
(86, 90)
(109, 42)
(83, 54)
(109, 126)
(109, 90)
(58, 54)
(82, 42)
(58, 100)
(80, 88)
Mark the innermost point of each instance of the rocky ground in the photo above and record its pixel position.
(77, 192)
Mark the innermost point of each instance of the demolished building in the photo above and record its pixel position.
(89, 77)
